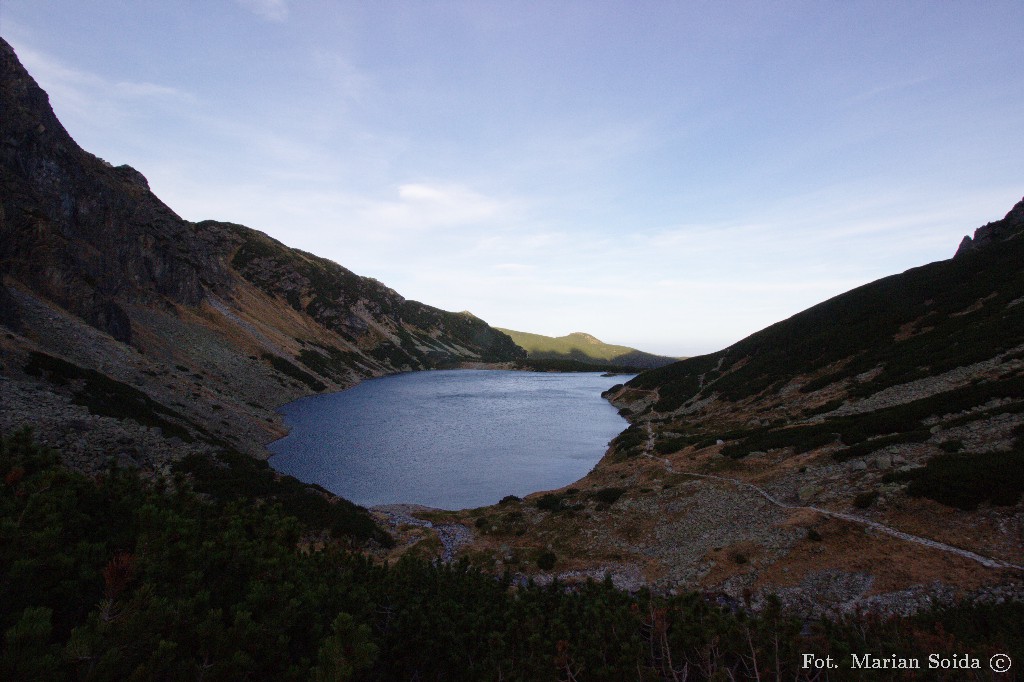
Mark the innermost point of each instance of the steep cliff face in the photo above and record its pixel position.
(79, 231)
(137, 327)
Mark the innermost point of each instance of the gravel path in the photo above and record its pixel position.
(926, 542)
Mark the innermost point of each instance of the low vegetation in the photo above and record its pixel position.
(630, 442)
(289, 369)
(107, 397)
(858, 435)
(920, 323)
(329, 362)
(114, 579)
(968, 480)
(232, 477)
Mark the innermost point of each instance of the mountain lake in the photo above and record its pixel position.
(451, 439)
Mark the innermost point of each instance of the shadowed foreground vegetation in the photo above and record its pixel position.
(115, 579)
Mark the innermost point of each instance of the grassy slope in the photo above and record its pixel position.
(922, 322)
(780, 387)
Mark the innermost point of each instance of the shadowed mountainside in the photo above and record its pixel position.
(136, 336)
(924, 322)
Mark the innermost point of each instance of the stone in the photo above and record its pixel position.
(808, 491)
(1009, 227)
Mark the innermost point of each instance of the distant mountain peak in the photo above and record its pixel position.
(585, 348)
(1010, 227)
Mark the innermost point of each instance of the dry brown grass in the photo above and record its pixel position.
(995, 532)
(894, 564)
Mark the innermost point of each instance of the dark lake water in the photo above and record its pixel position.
(449, 439)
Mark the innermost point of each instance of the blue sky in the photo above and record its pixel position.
(667, 175)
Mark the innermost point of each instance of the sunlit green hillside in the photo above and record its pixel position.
(584, 348)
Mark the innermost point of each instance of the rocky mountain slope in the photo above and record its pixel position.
(134, 335)
(585, 348)
(868, 451)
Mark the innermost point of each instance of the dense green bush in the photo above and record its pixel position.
(952, 446)
(329, 362)
(865, 499)
(546, 561)
(868, 446)
(800, 438)
(287, 368)
(608, 495)
(822, 381)
(666, 446)
(967, 480)
(630, 442)
(550, 502)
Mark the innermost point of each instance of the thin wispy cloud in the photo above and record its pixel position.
(515, 268)
(271, 10)
(345, 79)
(421, 206)
(889, 89)
(86, 91)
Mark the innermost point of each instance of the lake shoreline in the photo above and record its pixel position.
(448, 439)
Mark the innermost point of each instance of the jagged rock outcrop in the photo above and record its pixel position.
(1010, 227)
(79, 231)
(126, 323)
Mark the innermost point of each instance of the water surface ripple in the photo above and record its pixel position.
(451, 439)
